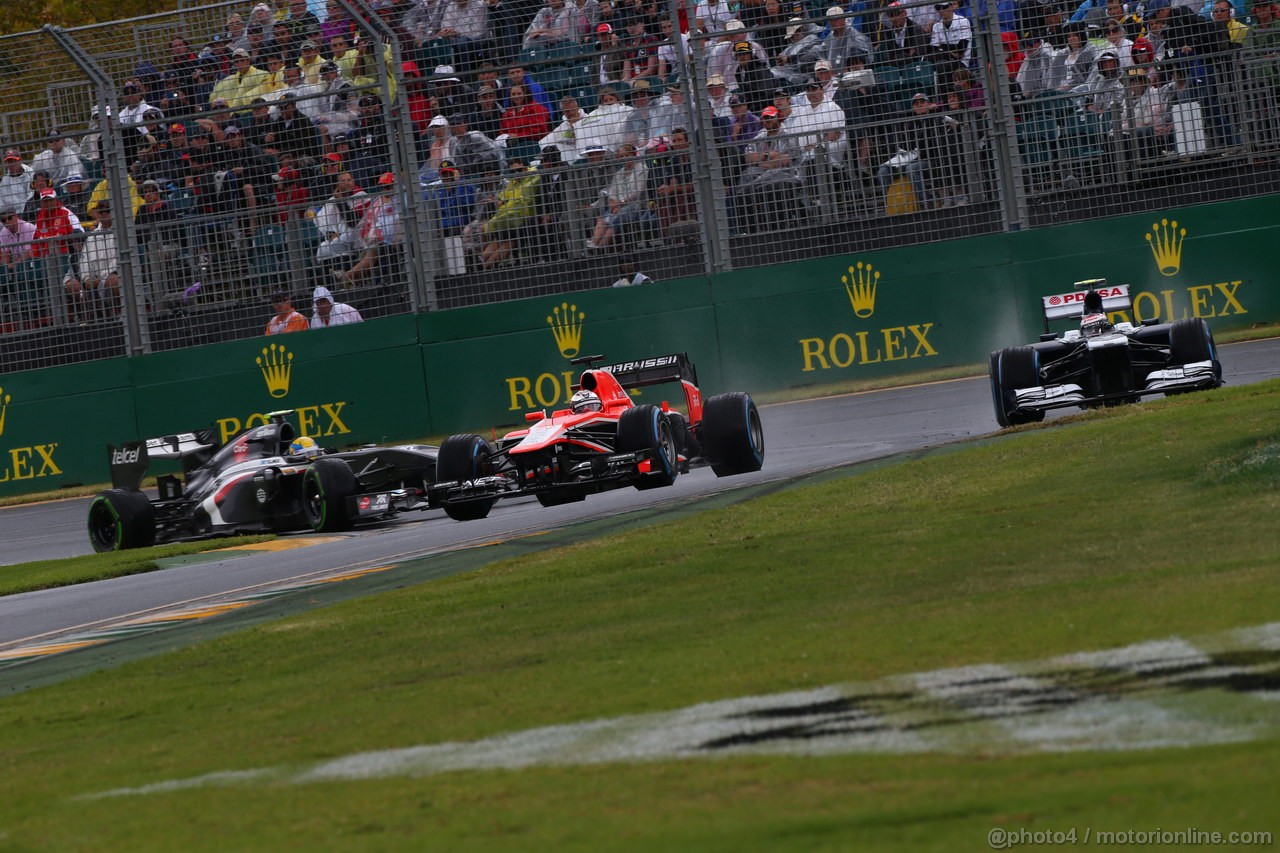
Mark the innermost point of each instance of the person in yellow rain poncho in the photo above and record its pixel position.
(517, 202)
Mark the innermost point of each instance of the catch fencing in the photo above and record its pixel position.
(586, 147)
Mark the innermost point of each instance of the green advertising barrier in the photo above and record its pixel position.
(349, 384)
(520, 362)
(44, 443)
(812, 322)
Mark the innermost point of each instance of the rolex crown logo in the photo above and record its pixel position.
(566, 324)
(1165, 240)
(4, 408)
(860, 284)
(276, 364)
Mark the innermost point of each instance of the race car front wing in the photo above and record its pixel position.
(1187, 377)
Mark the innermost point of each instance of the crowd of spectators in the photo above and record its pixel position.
(539, 133)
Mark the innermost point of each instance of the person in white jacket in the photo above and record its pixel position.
(329, 313)
(99, 270)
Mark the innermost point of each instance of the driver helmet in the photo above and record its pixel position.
(1092, 325)
(585, 401)
(304, 446)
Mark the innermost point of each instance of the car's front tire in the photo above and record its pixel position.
(732, 437)
(326, 485)
(646, 428)
(1009, 369)
(121, 519)
(465, 457)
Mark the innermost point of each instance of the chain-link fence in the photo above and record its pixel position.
(195, 176)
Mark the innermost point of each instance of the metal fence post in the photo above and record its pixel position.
(116, 170)
(1003, 125)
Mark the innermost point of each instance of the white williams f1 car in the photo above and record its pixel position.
(1100, 363)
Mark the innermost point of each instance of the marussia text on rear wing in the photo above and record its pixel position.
(654, 371)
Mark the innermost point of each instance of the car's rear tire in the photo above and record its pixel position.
(465, 457)
(1009, 369)
(121, 519)
(646, 428)
(732, 437)
(326, 485)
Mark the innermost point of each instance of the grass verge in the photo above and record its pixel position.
(1134, 523)
(46, 574)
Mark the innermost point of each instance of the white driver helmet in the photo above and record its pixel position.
(585, 401)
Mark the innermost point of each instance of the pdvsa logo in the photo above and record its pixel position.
(25, 463)
(861, 285)
(276, 364)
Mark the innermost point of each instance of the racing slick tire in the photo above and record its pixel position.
(1009, 369)
(732, 438)
(326, 485)
(646, 428)
(120, 519)
(1190, 340)
(464, 457)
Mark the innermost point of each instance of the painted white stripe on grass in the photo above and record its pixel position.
(1145, 696)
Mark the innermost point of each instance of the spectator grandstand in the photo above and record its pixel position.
(416, 155)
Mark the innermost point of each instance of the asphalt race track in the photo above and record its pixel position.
(800, 438)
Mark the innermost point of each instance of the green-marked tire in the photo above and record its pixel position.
(121, 519)
(326, 485)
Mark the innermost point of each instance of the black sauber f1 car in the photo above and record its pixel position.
(1100, 363)
(264, 479)
(603, 441)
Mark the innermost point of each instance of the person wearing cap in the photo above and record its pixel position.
(75, 193)
(15, 184)
(455, 197)
(439, 148)
(612, 57)
(951, 40)
(380, 232)
(513, 217)
(475, 153)
(238, 88)
(19, 280)
(768, 188)
(671, 111)
(310, 61)
(637, 130)
(822, 124)
(755, 80)
(94, 288)
(844, 42)
(551, 27)
(804, 48)
(292, 133)
(338, 221)
(899, 41)
(449, 93)
(717, 96)
(285, 319)
(55, 228)
(326, 312)
(339, 103)
(918, 146)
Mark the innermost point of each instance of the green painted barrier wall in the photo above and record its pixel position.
(812, 322)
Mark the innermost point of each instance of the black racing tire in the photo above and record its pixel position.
(465, 457)
(1190, 341)
(732, 437)
(647, 428)
(560, 498)
(1009, 369)
(120, 519)
(326, 485)
(681, 435)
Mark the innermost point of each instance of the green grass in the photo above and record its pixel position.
(46, 574)
(1125, 525)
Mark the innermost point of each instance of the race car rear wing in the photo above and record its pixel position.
(1059, 306)
(653, 371)
(129, 461)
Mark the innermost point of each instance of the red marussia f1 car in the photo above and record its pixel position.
(603, 441)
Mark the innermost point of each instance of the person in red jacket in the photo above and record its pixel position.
(525, 122)
(56, 227)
